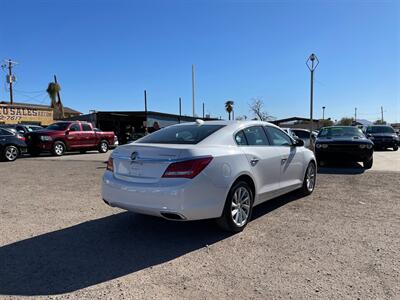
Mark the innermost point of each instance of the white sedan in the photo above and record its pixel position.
(213, 169)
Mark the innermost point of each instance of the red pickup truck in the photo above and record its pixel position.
(69, 136)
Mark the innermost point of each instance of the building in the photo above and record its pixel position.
(28, 113)
(132, 124)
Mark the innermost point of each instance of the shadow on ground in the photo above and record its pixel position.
(103, 249)
(342, 168)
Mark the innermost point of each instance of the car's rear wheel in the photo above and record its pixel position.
(11, 153)
(58, 148)
(238, 208)
(368, 163)
(103, 147)
(310, 179)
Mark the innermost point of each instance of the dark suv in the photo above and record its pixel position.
(383, 137)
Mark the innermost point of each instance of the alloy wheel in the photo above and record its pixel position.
(11, 153)
(240, 206)
(58, 149)
(104, 147)
(310, 177)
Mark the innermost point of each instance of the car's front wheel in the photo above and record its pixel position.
(11, 153)
(58, 148)
(310, 179)
(238, 207)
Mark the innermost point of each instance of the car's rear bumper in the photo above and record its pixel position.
(193, 199)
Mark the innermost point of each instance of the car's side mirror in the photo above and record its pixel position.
(298, 143)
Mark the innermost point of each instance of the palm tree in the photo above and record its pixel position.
(53, 89)
(229, 107)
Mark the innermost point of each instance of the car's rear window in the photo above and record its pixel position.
(180, 134)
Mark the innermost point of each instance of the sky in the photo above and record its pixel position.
(106, 53)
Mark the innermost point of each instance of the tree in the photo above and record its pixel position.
(325, 123)
(257, 108)
(229, 107)
(346, 121)
(53, 89)
(379, 122)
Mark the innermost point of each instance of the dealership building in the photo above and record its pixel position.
(28, 113)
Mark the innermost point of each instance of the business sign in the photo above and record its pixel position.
(10, 114)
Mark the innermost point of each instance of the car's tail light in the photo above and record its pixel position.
(110, 164)
(188, 168)
(20, 137)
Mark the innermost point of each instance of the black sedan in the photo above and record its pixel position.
(344, 143)
(12, 144)
(383, 136)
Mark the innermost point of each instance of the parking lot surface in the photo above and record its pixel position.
(59, 240)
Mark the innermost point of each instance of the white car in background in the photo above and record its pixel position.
(303, 134)
(213, 169)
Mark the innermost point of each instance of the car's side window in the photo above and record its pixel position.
(75, 127)
(278, 137)
(256, 136)
(86, 127)
(240, 138)
(302, 134)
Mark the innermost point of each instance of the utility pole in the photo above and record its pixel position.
(203, 110)
(193, 95)
(312, 63)
(355, 114)
(323, 113)
(10, 77)
(145, 111)
(382, 114)
(180, 109)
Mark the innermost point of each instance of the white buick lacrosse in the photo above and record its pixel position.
(212, 169)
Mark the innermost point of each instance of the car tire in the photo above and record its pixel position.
(395, 148)
(241, 198)
(368, 163)
(58, 148)
(310, 179)
(103, 146)
(10, 153)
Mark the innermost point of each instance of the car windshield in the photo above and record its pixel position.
(380, 129)
(181, 134)
(340, 132)
(58, 126)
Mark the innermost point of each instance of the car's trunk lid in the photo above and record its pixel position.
(143, 163)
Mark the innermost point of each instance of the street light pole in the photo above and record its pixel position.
(312, 63)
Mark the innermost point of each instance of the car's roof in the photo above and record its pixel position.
(231, 124)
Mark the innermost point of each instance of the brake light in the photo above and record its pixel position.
(188, 168)
(20, 137)
(110, 164)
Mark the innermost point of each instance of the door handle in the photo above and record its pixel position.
(283, 161)
(254, 161)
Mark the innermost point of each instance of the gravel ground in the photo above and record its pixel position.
(58, 240)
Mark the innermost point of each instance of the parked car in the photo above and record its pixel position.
(344, 143)
(116, 142)
(383, 137)
(22, 128)
(302, 134)
(202, 170)
(68, 136)
(12, 144)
